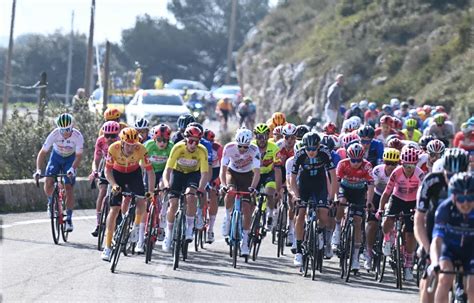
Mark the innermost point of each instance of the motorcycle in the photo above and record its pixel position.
(197, 110)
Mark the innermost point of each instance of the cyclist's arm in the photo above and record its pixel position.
(97, 156)
(40, 158)
(420, 230)
(151, 179)
(77, 161)
(387, 192)
(110, 176)
(204, 169)
(439, 232)
(167, 177)
(334, 185)
(294, 186)
(435, 250)
(278, 178)
(222, 175)
(146, 164)
(256, 177)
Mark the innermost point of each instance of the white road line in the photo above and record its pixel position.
(39, 221)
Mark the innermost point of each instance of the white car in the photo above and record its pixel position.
(157, 106)
(226, 91)
(178, 85)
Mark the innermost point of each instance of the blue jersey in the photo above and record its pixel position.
(208, 145)
(456, 229)
(335, 157)
(375, 153)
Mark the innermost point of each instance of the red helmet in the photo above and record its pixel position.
(440, 109)
(397, 123)
(409, 156)
(427, 109)
(349, 138)
(355, 151)
(330, 128)
(193, 131)
(111, 128)
(161, 131)
(395, 143)
(209, 135)
(386, 119)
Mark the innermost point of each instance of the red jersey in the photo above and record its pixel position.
(354, 178)
(464, 141)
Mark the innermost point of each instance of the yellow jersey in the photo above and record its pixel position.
(127, 164)
(186, 162)
(268, 158)
(416, 135)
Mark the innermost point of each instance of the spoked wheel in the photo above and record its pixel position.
(196, 239)
(55, 226)
(150, 235)
(350, 250)
(120, 240)
(177, 238)
(281, 231)
(382, 268)
(103, 222)
(343, 254)
(202, 237)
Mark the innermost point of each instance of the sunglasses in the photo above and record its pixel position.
(356, 160)
(409, 165)
(311, 148)
(110, 136)
(243, 146)
(290, 137)
(65, 130)
(464, 198)
(366, 141)
(391, 163)
(161, 140)
(192, 141)
(434, 155)
(261, 137)
(410, 128)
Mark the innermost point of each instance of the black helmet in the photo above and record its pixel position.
(184, 120)
(366, 131)
(328, 140)
(456, 160)
(311, 139)
(301, 130)
(424, 140)
(461, 183)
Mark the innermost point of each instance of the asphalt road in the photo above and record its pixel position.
(34, 269)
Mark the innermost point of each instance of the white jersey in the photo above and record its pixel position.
(289, 166)
(64, 147)
(380, 178)
(241, 162)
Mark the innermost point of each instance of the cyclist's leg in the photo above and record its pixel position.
(136, 185)
(191, 184)
(213, 203)
(176, 186)
(445, 281)
(300, 221)
(243, 182)
(66, 164)
(270, 190)
(231, 182)
(372, 224)
(339, 215)
(410, 241)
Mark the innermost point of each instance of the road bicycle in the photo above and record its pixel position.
(257, 229)
(152, 223)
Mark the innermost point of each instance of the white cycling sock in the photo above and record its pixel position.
(190, 222)
(170, 229)
(141, 233)
(212, 220)
(227, 214)
(245, 236)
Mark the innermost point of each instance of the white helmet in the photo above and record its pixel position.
(353, 123)
(395, 103)
(363, 104)
(289, 129)
(243, 136)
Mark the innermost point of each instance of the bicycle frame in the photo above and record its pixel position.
(236, 229)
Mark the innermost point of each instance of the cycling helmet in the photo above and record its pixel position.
(209, 135)
(439, 118)
(386, 119)
(243, 136)
(298, 146)
(247, 100)
(350, 125)
(329, 141)
(440, 109)
(278, 118)
(349, 138)
(112, 114)
(424, 140)
(261, 128)
(277, 131)
(161, 131)
(363, 104)
(395, 103)
(141, 124)
(456, 160)
(64, 120)
(391, 155)
(395, 143)
(366, 131)
(289, 129)
(397, 123)
(404, 104)
(355, 151)
(111, 128)
(198, 125)
(413, 113)
(372, 106)
(387, 109)
(193, 131)
(411, 144)
(462, 183)
(470, 122)
(411, 123)
(409, 156)
(435, 146)
(311, 139)
(184, 120)
(129, 135)
(330, 128)
(301, 130)
(427, 109)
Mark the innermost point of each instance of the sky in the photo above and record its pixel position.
(47, 16)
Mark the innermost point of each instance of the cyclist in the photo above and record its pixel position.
(182, 123)
(330, 128)
(277, 119)
(350, 125)
(411, 133)
(240, 171)
(356, 187)
(67, 143)
(403, 183)
(313, 163)
(346, 140)
(381, 174)
(301, 130)
(440, 129)
(465, 138)
(434, 150)
(142, 126)
(111, 130)
(373, 148)
(453, 236)
(277, 134)
(113, 114)
(433, 190)
(424, 140)
(159, 150)
(217, 152)
(371, 116)
(224, 109)
(270, 169)
(188, 162)
(123, 172)
(385, 129)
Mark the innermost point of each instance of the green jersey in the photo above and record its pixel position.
(158, 157)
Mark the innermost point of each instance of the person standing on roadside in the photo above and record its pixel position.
(334, 100)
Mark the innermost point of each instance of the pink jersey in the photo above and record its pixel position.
(101, 148)
(404, 187)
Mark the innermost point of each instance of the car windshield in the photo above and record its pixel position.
(183, 84)
(160, 99)
(114, 99)
(227, 90)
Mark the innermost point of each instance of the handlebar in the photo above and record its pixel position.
(50, 176)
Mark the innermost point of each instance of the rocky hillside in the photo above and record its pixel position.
(385, 49)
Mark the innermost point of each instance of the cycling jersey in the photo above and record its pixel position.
(288, 166)
(380, 178)
(379, 135)
(446, 131)
(371, 117)
(269, 157)
(272, 125)
(126, 164)
(239, 162)
(158, 157)
(404, 187)
(284, 153)
(216, 155)
(415, 137)
(423, 163)
(341, 152)
(221, 105)
(186, 162)
(101, 148)
(177, 137)
(354, 178)
(374, 153)
(464, 141)
(64, 147)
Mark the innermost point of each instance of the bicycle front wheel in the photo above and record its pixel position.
(103, 222)
(119, 243)
(55, 226)
(350, 251)
(177, 238)
(399, 261)
(150, 237)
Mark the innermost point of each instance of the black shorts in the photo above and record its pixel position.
(376, 203)
(215, 174)
(180, 181)
(266, 178)
(464, 255)
(225, 114)
(356, 197)
(102, 180)
(398, 206)
(308, 193)
(132, 182)
(240, 181)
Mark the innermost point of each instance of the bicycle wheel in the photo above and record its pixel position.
(103, 222)
(342, 253)
(54, 209)
(306, 251)
(399, 264)
(184, 242)
(313, 242)
(320, 253)
(150, 237)
(202, 237)
(349, 250)
(177, 238)
(279, 231)
(255, 232)
(119, 243)
(382, 268)
(64, 233)
(377, 254)
(196, 239)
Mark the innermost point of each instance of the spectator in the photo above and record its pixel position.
(80, 95)
(334, 100)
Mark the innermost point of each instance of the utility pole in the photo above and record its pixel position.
(69, 62)
(105, 95)
(42, 99)
(230, 44)
(8, 67)
(90, 49)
